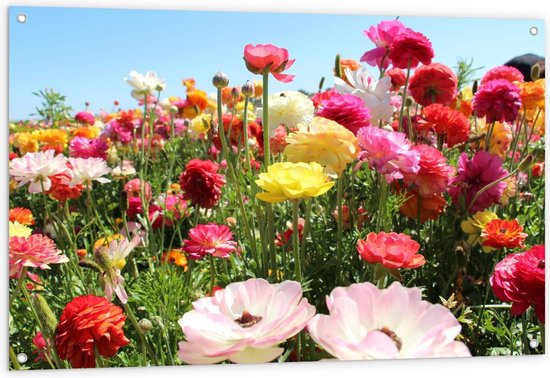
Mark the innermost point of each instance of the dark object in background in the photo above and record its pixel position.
(524, 64)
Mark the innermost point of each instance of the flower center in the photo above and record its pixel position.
(393, 336)
(247, 320)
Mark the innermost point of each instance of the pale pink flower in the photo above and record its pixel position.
(389, 152)
(36, 251)
(244, 323)
(36, 168)
(209, 239)
(366, 323)
(134, 188)
(84, 171)
(382, 36)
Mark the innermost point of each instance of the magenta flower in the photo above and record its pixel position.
(475, 174)
(497, 100)
(388, 152)
(36, 251)
(409, 49)
(347, 110)
(434, 173)
(366, 323)
(244, 322)
(85, 118)
(382, 36)
(81, 147)
(520, 278)
(36, 168)
(209, 239)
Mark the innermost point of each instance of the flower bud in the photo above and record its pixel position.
(337, 67)
(173, 109)
(248, 89)
(408, 102)
(525, 162)
(145, 325)
(235, 93)
(535, 72)
(48, 321)
(474, 87)
(220, 80)
(103, 259)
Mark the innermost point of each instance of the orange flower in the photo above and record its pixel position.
(430, 207)
(258, 88)
(353, 65)
(25, 143)
(52, 138)
(87, 132)
(175, 257)
(189, 84)
(21, 215)
(532, 94)
(500, 233)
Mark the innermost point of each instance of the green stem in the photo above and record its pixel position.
(339, 194)
(245, 129)
(13, 359)
(142, 337)
(20, 281)
(212, 272)
(295, 243)
(265, 120)
(404, 96)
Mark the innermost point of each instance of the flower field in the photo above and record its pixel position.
(398, 213)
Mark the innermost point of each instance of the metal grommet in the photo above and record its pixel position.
(22, 18)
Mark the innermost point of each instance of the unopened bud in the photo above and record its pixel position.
(337, 67)
(173, 109)
(48, 321)
(220, 80)
(474, 87)
(247, 89)
(525, 163)
(535, 72)
(103, 259)
(408, 102)
(145, 325)
(90, 265)
(235, 93)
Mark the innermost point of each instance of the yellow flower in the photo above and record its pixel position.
(293, 181)
(251, 115)
(25, 143)
(509, 192)
(501, 138)
(323, 141)
(18, 229)
(51, 137)
(104, 242)
(199, 126)
(89, 132)
(475, 224)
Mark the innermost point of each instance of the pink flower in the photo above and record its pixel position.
(497, 100)
(81, 147)
(511, 74)
(475, 174)
(244, 323)
(382, 36)
(366, 323)
(133, 188)
(85, 118)
(209, 239)
(392, 250)
(36, 168)
(520, 278)
(388, 152)
(347, 110)
(84, 171)
(409, 49)
(36, 251)
(262, 59)
(434, 173)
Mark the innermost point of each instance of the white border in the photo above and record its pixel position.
(475, 367)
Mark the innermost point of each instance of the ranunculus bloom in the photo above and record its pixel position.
(21, 215)
(497, 100)
(520, 278)
(61, 191)
(538, 169)
(388, 152)
(134, 188)
(36, 168)
(392, 250)
(145, 85)
(262, 59)
(347, 110)
(84, 171)
(201, 183)
(382, 36)
(434, 83)
(500, 233)
(511, 74)
(473, 175)
(453, 125)
(409, 49)
(18, 229)
(319, 97)
(323, 141)
(501, 138)
(430, 207)
(366, 323)
(278, 141)
(284, 239)
(475, 224)
(85, 117)
(289, 108)
(434, 173)
(89, 324)
(209, 239)
(244, 323)
(81, 147)
(398, 78)
(533, 94)
(288, 180)
(35, 251)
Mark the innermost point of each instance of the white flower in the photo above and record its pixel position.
(289, 108)
(84, 171)
(375, 94)
(36, 168)
(145, 85)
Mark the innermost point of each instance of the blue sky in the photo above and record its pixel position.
(86, 53)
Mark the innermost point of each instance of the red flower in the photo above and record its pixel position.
(451, 123)
(21, 215)
(201, 183)
(537, 170)
(500, 233)
(89, 324)
(85, 117)
(430, 207)
(397, 78)
(284, 239)
(319, 97)
(61, 191)
(434, 83)
(519, 278)
(497, 100)
(434, 173)
(511, 74)
(262, 59)
(409, 49)
(392, 250)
